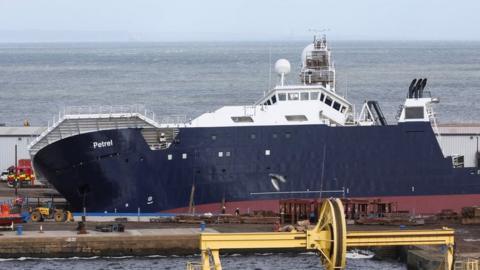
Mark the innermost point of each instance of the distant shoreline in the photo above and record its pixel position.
(272, 42)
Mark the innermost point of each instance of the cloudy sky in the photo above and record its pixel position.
(209, 20)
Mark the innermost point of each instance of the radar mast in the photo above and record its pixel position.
(317, 64)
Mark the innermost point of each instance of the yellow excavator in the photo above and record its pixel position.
(39, 214)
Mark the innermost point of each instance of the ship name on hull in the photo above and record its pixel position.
(102, 144)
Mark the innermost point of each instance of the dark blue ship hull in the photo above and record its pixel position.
(236, 163)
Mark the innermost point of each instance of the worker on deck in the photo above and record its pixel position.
(237, 212)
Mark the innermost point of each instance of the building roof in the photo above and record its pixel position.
(21, 131)
(459, 129)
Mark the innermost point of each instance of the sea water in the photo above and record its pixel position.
(259, 261)
(39, 80)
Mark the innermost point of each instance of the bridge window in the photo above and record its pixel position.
(328, 101)
(342, 110)
(274, 99)
(304, 96)
(336, 106)
(322, 97)
(242, 119)
(282, 96)
(292, 96)
(313, 95)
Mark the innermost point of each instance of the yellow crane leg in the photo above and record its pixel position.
(329, 237)
(444, 237)
(215, 255)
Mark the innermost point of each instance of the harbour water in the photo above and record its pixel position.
(38, 80)
(255, 262)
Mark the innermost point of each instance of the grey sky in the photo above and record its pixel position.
(156, 20)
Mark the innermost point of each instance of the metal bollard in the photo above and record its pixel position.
(19, 229)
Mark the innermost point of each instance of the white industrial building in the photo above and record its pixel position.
(461, 140)
(20, 136)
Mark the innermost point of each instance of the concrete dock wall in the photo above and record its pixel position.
(69, 244)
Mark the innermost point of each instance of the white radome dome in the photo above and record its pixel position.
(282, 66)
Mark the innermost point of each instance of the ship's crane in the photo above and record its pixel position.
(329, 238)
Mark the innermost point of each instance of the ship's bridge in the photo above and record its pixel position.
(285, 105)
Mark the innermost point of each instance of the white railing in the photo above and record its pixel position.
(249, 110)
(108, 109)
(172, 119)
(101, 109)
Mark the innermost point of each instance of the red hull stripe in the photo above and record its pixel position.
(414, 204)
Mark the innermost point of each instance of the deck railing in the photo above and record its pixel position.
(107, 111)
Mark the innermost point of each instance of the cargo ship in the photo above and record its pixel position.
(297, 141)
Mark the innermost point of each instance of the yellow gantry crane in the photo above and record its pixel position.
(329, 238)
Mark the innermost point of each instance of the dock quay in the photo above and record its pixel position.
(135, 242)
(146, 238)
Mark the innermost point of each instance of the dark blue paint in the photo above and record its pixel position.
(366, 161)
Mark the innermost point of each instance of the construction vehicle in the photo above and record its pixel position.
(39, 214)
(22, 175)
